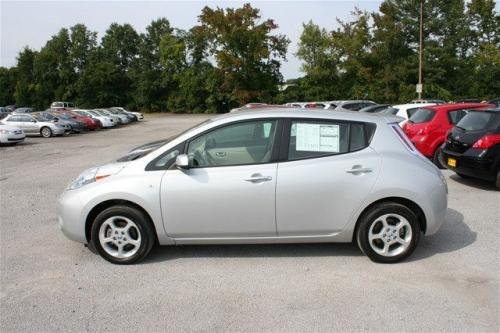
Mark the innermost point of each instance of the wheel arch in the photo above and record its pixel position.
(400, 200)
(96, 210)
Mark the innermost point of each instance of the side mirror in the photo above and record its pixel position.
(33, 120)
(182, 161)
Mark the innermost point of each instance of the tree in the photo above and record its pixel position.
(25, 92)
(246, 52)
(319, 63)
(8, 79)
(151, 83)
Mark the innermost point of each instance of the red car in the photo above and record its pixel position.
(428, 126)
(90, 123)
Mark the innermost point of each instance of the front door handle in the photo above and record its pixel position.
(258, 178)
(358, 169)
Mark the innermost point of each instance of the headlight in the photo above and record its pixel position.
(4, 131)
(93, 174)
(86, 177)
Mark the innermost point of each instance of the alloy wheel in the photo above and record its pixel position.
(390, 235)
(46, 132)
(120, 237)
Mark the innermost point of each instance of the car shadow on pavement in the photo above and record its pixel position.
(453, 235)
(164, 253)
(473, 182)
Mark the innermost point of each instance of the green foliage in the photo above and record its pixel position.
(233, 56)
(376, 55)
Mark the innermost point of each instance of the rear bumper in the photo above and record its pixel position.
(474, 164)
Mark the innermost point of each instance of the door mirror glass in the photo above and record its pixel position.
(182, 161)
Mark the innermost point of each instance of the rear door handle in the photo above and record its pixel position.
(258, 178)
(358, 169)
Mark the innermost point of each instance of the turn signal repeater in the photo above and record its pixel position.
(487, 141)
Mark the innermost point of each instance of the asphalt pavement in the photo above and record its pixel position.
(49, 283)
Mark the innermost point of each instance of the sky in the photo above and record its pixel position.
(32, 23)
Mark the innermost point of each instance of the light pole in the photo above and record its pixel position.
(420, 51)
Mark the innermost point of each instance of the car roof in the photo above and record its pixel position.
(307, 113)
(412, 105)
(488, 109)
(456, 106)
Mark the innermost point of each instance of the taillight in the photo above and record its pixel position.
(425, 130)
(487, 141)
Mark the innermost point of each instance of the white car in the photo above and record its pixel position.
(405, 110)
(11, 134)
(267, 176)
(106, 121)
(139, 115)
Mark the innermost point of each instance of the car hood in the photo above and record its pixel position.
(142, 150)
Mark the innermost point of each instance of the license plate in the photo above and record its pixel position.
(452, 162)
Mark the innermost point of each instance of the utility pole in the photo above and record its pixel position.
(420, 51)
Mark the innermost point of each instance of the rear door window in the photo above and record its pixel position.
(311, 139)
(421, 115)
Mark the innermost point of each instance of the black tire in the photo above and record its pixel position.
(143, 226)
(372, 217)
(45, 132)
(438, 158)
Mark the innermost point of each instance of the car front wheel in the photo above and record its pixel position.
(389, 232)
(122, 235)
(46, 132)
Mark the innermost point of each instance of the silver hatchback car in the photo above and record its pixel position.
(269, 176)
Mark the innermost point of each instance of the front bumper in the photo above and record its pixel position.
(69, 209)
(11, 138)
(61, 130)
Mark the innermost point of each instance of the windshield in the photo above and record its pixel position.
(147, 148)
(476, 120)
(422, 116)
(43, 117)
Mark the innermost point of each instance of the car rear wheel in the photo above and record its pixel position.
(122, 235)
(388, 232)
(438, 158)
(46, 132)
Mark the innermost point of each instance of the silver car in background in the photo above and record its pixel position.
(272, 176)
(117, 120)
(11, 135)
(31, 125)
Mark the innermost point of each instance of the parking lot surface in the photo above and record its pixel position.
(49, 283)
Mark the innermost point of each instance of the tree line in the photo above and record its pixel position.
(233, 56)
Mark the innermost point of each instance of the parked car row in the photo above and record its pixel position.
(58, 120)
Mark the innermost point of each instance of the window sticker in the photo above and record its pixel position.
(317, 137)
